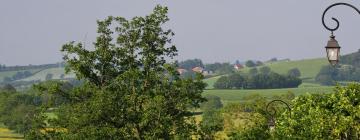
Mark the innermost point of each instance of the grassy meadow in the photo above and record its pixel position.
(238, 95)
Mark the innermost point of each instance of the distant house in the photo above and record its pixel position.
(197, 69)
(238, 66)
(181, 71)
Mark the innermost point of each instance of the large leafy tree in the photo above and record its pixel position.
(130, 91)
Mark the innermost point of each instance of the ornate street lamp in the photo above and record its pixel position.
(333, 48)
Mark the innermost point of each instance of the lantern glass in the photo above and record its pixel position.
(333, 50)
(333, 54)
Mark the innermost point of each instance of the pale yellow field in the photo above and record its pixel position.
(6, 134)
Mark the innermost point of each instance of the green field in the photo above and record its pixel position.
(238, 95)
(57, 72)
(309, 68)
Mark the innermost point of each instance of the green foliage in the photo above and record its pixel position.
(259, 63)
(237, 81)
(351, 59)
(329, 74)
(222, 83)
(257, 81)
(248, 119)
(265, 70)
(129, 90)
(347, 70)
(191, 63)
(325, 80)
(253, 71)
(294, 72)
(17, 110)
(188, 74)
(212, 122)
(220, 68)
(323, 116)
(250, 63)
(212, 103)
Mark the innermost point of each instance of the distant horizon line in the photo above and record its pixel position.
(279, 59)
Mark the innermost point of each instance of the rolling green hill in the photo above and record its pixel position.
(57, 72)
(308, 68)
(11, 73)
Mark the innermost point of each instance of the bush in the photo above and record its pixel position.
(213, 102)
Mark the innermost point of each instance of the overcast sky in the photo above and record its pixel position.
(32, 32)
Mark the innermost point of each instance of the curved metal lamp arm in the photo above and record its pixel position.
(287, 105)
(337, 21)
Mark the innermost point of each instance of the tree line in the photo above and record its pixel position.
(348, 69)
(265, 79)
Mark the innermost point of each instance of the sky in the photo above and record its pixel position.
(32, 32)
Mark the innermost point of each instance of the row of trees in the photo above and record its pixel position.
(251, 63)
(191, 63)
(328, 75)
(220, 68)
(264, 79)
(347, 70)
